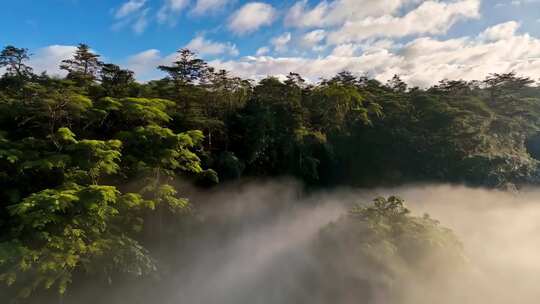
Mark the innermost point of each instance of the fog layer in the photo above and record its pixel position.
(257, 247)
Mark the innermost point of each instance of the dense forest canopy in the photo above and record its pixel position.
(93, 163)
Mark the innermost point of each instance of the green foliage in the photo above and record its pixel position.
(57, 232)
(376, 245)
(84, 66)
(95, 157)
(145, 110)
(186, 69)
(335, 105)
(153, 146)
(91, 164)
(13, 59)
(67, 153)
(115, 81)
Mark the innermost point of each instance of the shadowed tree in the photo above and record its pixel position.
(14, 60)
(186, 69)
(115, 80)
(500, 85)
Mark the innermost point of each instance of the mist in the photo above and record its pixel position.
(258, 248)
(500, 232)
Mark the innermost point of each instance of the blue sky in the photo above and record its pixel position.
(418, 39)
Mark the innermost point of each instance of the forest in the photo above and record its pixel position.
(102, 177)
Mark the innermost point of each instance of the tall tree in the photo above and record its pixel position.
(84, 66)
(14, 60)
(115, 80)
(186, 69)
(500, 85)
(397, 85)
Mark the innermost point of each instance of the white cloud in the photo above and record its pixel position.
(170, 9)
(48, 59)
(430, 17)
(338, 12)
(258, 67)
(280, 42)
(208, 6)
(134, 14)
(251, 17)
(345, 50)
(300, 16)
(313, 38)
(262, 51)
(500, 31)
(523, 2)
(423, 61)
(141, 22)
(145, 64)
(129, 7)
(203, 46)
(356, 20)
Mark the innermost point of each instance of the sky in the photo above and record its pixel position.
(423, 41)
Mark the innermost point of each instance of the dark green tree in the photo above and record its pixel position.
(84, 66)
(186, 69)
(116, 81)
(15, 61)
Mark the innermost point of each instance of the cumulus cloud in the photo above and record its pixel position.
(313, 38)
(262, 51)
(500, 31)
(203, 46)
(145, 64)
(339, 11)
(251, 17)
(141, 22)
(48, 59)
(280, 42)
(345, 50)
(129, 7)
(208, 6)
(132, 13)
(422, 61)
(431, 17)
(356, 20)
(170, 9)
(375, 37)
(523, 2)
(258, 67)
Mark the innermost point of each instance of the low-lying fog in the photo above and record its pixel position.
(256, 247)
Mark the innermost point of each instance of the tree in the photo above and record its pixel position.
(116, 81)
(397, 84)
(295, 79)
(345, 78)
(74, 223)
(380, 246)
(501, 84)
(13, 59)
(336, 106)
(186, 69)
(84, 66)
(92, 165)
(57, 232)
